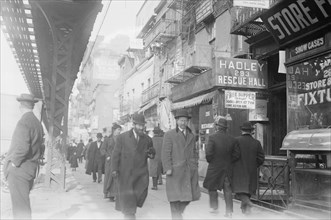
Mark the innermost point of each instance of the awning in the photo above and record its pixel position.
(149, 105)
(194, 101)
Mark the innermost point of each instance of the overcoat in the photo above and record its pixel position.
(74, 158)
(245, 169)
(25, 148)
(94, 156)
(180, 155)
(129, 159)
(110, 184)
(155, 165)
(222, 151)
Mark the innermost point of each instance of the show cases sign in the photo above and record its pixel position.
(239, 99)
(291, 19)
(242, 73)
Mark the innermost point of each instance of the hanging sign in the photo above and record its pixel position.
(252, 3)
(240, 99)
(289, 20)
(243, 73)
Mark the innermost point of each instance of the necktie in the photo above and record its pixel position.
(183, 131)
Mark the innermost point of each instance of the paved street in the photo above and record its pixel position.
(83, 199)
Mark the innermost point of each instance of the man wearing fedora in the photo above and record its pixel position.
(21, 163)
(180, 162)
(245, 169)
(222, 151)
(129, 165)
(96, 161)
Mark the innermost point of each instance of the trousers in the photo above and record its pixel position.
(213, 197)
(246, 203)
(177, 208)
(19, 189)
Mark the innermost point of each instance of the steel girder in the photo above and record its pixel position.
(61, 30)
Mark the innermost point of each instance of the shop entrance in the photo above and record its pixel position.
(278, 121)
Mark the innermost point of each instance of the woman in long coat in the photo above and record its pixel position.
(110, 184)
(155, 165)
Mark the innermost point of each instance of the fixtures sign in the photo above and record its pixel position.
(291, 19)
(244, 73)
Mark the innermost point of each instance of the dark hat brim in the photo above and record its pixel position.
(246, 128)
(26, 100)
(184, 116)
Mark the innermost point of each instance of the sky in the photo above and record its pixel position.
(120, 19)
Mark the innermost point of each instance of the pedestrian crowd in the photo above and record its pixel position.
(125, 161)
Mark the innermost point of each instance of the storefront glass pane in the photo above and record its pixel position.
(308, 94)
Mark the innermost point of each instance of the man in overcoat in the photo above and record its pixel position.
(96, 160)
(222, 151)
(129, 165)
(21, 163)
(180, 162)
(155, 165)
(110, 185)
(245, 169)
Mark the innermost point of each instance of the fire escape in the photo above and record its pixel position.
(195, 59)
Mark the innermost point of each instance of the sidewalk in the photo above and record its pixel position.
(83, 199)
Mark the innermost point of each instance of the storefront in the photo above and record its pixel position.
(307, 41)
(235, 89)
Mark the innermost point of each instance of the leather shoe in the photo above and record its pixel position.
(228, 215)
(154, 188)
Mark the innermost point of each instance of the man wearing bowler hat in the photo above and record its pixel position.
(245, 169)
(129, 165)
(96, 161)
(222, 151)
(21, 163)
(180, 162)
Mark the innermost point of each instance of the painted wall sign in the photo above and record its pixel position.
(309, 93)
(291, 19)
(244, 73)
(307, 46)
(240, 99)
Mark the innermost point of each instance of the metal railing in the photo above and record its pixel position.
(273, 184)
(150, 93)
(162, 30)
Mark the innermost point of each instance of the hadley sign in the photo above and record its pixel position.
(243, 73)
(291, 19)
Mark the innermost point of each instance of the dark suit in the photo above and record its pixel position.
(221, 151)
(24, 152)
(96, 161)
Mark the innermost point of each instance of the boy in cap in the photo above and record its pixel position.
(21, 163)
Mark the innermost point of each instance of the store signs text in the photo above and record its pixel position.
(240, 99)
(292, 18)
(310, 82)
(244, 73)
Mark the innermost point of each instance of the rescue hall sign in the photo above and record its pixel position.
(243, 73)
(240, 99)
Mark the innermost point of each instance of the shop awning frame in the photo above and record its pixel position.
(205, 98)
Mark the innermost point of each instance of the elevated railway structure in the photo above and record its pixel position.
(48, 40)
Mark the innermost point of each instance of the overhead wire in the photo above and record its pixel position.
(93, 45)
